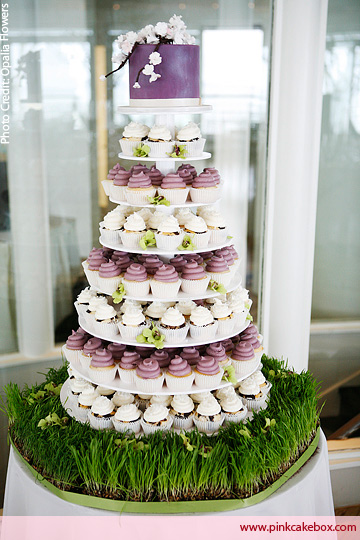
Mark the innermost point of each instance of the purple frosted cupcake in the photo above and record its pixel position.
(208, 373)
(139, 188)
(214, 173)
(117, 350)
(139, 167)
(178, 262)
(136, 281)
(194, 257)
(92, 270)
(161, 357)
(190, 168)
(191, 355)
(166, 282)
(123, 262)
(186, 176)
(127, 366)
(109, 277)
(243, 359)
(217, 351)
(119, 184)
(74, 345)
(110, 178)
(179, 376)
(90, 348)
(225, 254)
(152, 263)
(149, 378)
(102, 367)
(155, 176)
(204, 189)
(174, 189)
(251, 335)
(218, 270)
(193, 278)
(228, 345)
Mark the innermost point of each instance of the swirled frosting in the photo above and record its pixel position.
(159, 133)
(123, 262)
(155, 176)
(215, 220)
(128, 303)
(201, 396)
(134, 223)
(251, 330)
(204, 180)
(186, 175)
(87, 397)
(217, 351)
(173, 318)
(255, 343)
(148, 369)
(233, 252)
(109, 269)
(232, 404)
(135, 169)
(155, 310)
(214, 172)
(217, 264)
(117, 350)
(178, 262)
(96, 302)
(105, 312)
(127, 413)
(102, 358)
(209, 407)
(195, 224)
(96, 261)
(258, 377)
(208, 365)
(76, 341)
(201, 316)
(145, 213)
(155, 413)
(249, 387)
(225, 254)
(133, 317)
(102, 406)
(183, 215)
(92, 345)
(188, 167)
(192, 270)
(134, 130)
(161, 357)
(179, 367)
(173, 181)
(114, 170)
(129, 360)
(220, 310)
(243, 351)
(189, 132)
(166, 274)
(224, 392)
(85, 295)
(161, 399)
(139, 180)
(136, 272)
(193, 257)
(227, 344)
(122, 178)
(185, 307)
(156, 219)
(182, 404)
(169, 225)
(122, 398)
(191, 355)
(78, 385)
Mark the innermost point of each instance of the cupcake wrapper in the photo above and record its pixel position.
(193, 148)
(200, 241)
(104, 376)
(106, 184)
(174, 196)
(72, 356)
(91, 275)
(176, 335)
(85, 361)
(195, 286)
(179, 384)
(109, 285)
(207, 426)
(160, 149)
(127, 376)
(222, 278)
(204, 195)
(118, 193)
(235, 418)
(183, 423)
(218, 236)
(255, 404)
(164, 290)
(244, 368)
(127, 146)
(149, 429)
(89, 320)
(123, 427)
(139, 196)
(99, 423)
(109, 237)
(266, 389)
(131, 332)
(81, 308)
(168, 243)
(208, 381)
(225, 327)
(131, 239)
(203, 332)
(106, 330)
(149, 386)
(82, 415)
(137, 288)
(240, 318)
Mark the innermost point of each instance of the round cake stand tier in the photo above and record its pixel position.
(188, 342)
(187, 204)
(195, 109)
(204, 155)
(119, 386)
(157, 251)
(236, 282)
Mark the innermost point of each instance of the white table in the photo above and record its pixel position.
(307, 493)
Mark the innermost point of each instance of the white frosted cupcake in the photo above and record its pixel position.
(106, 321)
(208, 416)
(173, 188)
(251, 395)
(259, 379)
(136, 281)
(85, 401)
(134, 230)
(225, 392)
(169, 235)
(159, 141)
(155, 311)
(239, 310)
(190, 137)
(156, 219)
(224, 317)
(216, 225)
(134, 133)
(94, 303)
(156, 418)
(101, 413)
(162, 399)
(182, 411)
(76, 386)
(233, 408)
(122, 398)
(83, 299)
(186, 307)
(202, 325)
(197, 229)
(139, 189)
(132, 323)
(173, 326)
(183, 215)
(127, 418)
(208, 373)
(200, 396)
(179, 376)
(110, 227)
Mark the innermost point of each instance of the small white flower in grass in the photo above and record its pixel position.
(131, 37)
(154, 77)
(136, 85)
(155, 58)
(148, 69)
(126, 47)
(102, 78)
(161, 28)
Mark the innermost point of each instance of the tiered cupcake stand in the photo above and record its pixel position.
(165, 165)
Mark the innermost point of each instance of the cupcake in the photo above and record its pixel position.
(110, 178)
(173, 188)
(202, 324)
(156, 219)
(83, 299)
(190, 137)
(173, 326)
(139, 167)
(122, 398)
(208, 373)
(191, 355)
(197, 229)
(169, 235)
(127, 418)
(225, 391)
(194, 257)
(240, 313)
(251, 395)
(85, 401)
(127, 366)
(132, 323)
(76, 386)
(159, 141)
(161, 357)
(186, 176)
(201, 396)
(252, 338)
(101, 413)
(233, 408)
(228, 345)
(259, 379)
(208, 416)
(187, 167)
(136, 281)
(139, 189)
(106, 321)
(178, 262)
(218, 270)
(222, 313)
(155, 176)
(134, 230)
(166, 282)
(182, 411)
(92, 269)
(133, 134)
(216, 225)
(214, 173)
(149, 378)
(225, 254)
(107, 392)
(142, 401)
(217, 351)
(111, 226)
(156, 418)
(162, 399)
(73, 346)
(152, 263)
(122, 260)
(118, 185)
(179, 376)
(117, 350)
(243, 359)
(102, 369)
(154, 312)
(183, 215)
(186, 307)
(193, 279)
(109, 277)
(146, 214)
(90, 348)
(204, 189)
(144, 352)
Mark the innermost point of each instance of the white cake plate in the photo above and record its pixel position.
(204, 155)
(192, 109)
(188, 341)
(157, 251)
(187, 204)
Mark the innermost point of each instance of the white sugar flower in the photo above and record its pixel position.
(148, 69)
(170, 33)
(119, 40)
(118, 58)
(151, 38)
(161, 28)
(126, 47)
(136, 85)
(155, 58)
(154, 77)
(102, 78)
(189, 40)
(178, 39)
(131, 37)
(177, 22)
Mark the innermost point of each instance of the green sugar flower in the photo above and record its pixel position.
(152, 335)
(160, 199)
(179, 151)
(187, 244)
(118, 294)
(142, 150)
(217, 287)
(148, 240)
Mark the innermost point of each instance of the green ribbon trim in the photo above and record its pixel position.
(181, 507)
